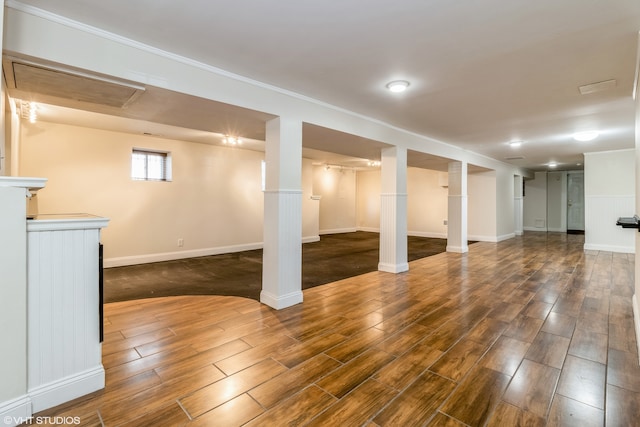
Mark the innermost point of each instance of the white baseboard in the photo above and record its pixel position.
(15, 411)
(338, 230)
(369, 229)
(393, 268)
(311, 239)
(491, 239)
(505, 237)
(170, 256)
(535, 228)
(519, 232)
(68, 388)
(280, 302)
(609, 248)
(427, 234)
(636, 320)
(557, 230)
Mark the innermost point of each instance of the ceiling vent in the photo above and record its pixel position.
(597, 87)
(514, 158)
(26, 80)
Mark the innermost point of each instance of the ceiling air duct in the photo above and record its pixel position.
(47, 83)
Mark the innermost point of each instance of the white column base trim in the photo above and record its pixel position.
(458, 249)
(519, 233)
(280, 302)
(15, 411)
(393, 268)
(68, 388)
(636, 320)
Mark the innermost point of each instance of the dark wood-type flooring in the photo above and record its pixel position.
(334, 257)
(532, 331)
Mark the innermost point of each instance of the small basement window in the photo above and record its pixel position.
(149, 165)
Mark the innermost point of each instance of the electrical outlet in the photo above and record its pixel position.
(180, 243)
(445, 222)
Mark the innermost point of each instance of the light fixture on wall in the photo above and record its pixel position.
(398, 85)
(586, 136)
(373, 163)
(231, 140)
(29, 110)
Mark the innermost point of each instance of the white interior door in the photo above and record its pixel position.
(575, 201)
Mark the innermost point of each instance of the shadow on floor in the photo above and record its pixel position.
(334, 257)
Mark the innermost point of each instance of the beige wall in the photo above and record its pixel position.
(426, 202)
(215, 198)
(214, 201)
(368, 184)
(337, 188)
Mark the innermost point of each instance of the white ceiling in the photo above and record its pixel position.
(481, 73)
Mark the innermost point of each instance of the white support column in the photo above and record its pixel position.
(457, 222)
(282, 257)
(518, 204)
(393, 211)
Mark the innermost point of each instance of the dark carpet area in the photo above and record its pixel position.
(334, 257)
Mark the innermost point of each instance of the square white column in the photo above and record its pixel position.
(457, 216)
(282, 256)
(393, 211)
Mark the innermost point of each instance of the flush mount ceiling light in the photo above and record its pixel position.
(398, 85)
(553, 165)
(586, 136)
(515, 144)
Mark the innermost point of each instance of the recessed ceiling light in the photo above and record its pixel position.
(398, 86)
(586, 136)
(515, 144)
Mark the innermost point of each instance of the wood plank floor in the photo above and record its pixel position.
(531, 331)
